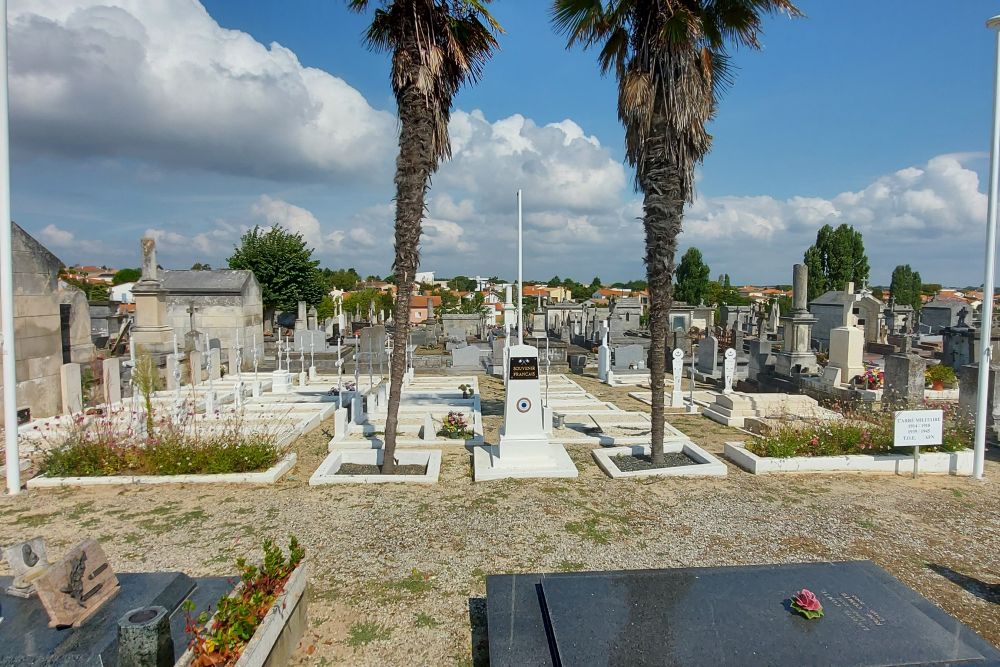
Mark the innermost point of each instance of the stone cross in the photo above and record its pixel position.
(191, 310)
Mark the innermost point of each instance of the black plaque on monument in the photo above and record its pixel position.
(737, 616)
(26, 638)
(523, 368)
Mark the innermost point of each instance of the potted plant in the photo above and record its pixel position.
(938, 376)
(466, 389)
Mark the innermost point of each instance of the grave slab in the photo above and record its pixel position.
(725, 616)
(26, 639)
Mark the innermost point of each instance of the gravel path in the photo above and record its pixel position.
(399, 571)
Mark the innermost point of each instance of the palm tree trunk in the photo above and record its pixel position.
(414, 166)
(663, 208)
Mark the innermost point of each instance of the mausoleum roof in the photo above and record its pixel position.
(206, 282)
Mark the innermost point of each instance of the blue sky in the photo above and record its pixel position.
(183, 121)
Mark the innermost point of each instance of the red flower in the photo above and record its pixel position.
(807, 600)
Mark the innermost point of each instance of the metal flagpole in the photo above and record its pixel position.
(986, 321)
(13, 459)
(520, 276)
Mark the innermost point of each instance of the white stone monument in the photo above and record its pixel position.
(846, 355)
(524, 449)
(728, 371)
(604, 356)
(677, 368)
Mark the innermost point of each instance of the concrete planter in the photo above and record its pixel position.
(706, 466)
(279, 631)
(327, 471)
(931, 463)
(269, 476)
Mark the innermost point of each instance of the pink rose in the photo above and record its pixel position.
(807, 600)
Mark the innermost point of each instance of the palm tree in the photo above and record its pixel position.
(436, 46)
(671, 62)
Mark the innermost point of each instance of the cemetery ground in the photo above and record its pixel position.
(398, 571)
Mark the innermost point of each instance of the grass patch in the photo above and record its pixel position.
(366, 633)
(589, 529)
(569, 566)
(423, 620)
(33, 520)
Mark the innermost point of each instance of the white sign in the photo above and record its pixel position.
(916, 428)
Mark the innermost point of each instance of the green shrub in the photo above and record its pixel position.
(940, 373)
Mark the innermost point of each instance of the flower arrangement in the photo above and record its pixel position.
(872, 378)
(234, 624)
(455, 427)
(806, 603)
(939, 375)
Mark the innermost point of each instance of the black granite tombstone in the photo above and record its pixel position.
(26, 638)
(722, 616)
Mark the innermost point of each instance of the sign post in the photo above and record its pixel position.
(917, 428)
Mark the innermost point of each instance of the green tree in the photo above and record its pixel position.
(837, 258)
(671, 62)
(692, 278)
(198, 266)
(123, 276)
(930, 289)
(342, 279)
(326, 308)
(475, 304)
(462, 284)
(436, 46)
(94, 291)
(283, 265)
(555, 281)
(905, 287)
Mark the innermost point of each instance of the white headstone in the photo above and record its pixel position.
(215, 367)
(72, 392)
(358, 409)
(112, 380)
(847, 352)
(677, 368)
(281, 382)
(729, 371)
(428, 432)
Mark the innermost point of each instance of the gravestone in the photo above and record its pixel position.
(708, 355)
(677, 370)
(301, 322)
(75, 588)
(847, 352)
(173, 360)
(215, 364)
(195, 363)
(762, 359)
(372, 344)
(968, 389)
(27, 562)
(796, 356)
(629, 357)
(470, 357)
(729, 371)
(724, 617)
(111, 375)
(904, 381)
(72, 392)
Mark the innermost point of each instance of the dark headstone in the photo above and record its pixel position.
(26, 639)
(723, 616)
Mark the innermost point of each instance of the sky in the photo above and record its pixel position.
(192, 122)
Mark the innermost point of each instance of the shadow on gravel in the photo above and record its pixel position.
(981, 589)
(491, 407)
(480, 634)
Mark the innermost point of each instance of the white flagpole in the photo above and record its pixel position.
(520, 276)
(7, 281)
(986, 323)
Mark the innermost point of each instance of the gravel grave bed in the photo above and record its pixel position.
(372, 469)
(399, 571)
(632, 463)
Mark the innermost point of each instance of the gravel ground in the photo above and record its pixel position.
(399, 570)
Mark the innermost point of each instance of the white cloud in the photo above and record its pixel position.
(62, 239)
(929, 216)
(276, 212)
(161, 81)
